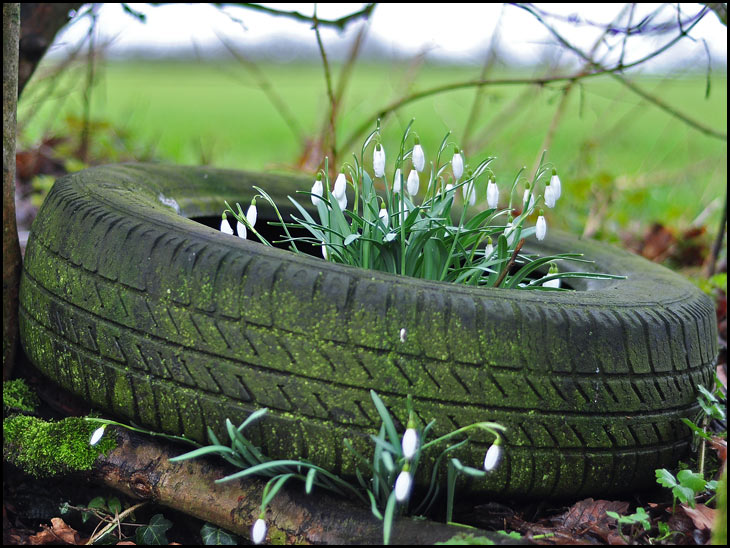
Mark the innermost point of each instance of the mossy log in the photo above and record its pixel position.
(140, 467)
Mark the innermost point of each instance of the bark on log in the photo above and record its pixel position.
(11, 247)
(139, 467)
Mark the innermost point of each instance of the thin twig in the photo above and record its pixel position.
(511, 262)
(116, 521)
(340, 23)
(711, 264)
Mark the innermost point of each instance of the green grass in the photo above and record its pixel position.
(611, 148)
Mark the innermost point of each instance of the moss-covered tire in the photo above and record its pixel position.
(173, 325)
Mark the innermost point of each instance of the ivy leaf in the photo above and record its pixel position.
(154, 533)
(213, 535)
(115, 507)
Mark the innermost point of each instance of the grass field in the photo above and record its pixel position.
(618, 155)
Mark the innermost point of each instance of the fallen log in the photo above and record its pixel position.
(140, 468)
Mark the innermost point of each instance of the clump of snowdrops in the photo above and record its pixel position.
(384, 483)
(419, 225)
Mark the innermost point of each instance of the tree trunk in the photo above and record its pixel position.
(139, 467)
(11, 248)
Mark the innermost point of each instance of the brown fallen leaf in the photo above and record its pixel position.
(591, 512)
(57, 532)
(702, 516)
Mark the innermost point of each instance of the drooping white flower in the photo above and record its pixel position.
(340, 189)
(418, 157)
(550, 195)
(317, 190)
(528, 200)
(492, 194)
(325, 254)
(470, 193)
(383, 214)
(409, 443)
(252, 214)
(449, 187)
(403, 335)
(413, 183)
(489, 248)
(379, 160)
(241, 230)
(225, 225)
(555, 183)
(342, 202)
(97, 435)
(493, 456)
(555, 283)
(403, 485)
(540, 227)
(258, 531)
(397, 181)
(457, 165)
(509, 233)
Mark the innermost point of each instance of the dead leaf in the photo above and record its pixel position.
(702, 516)
(592, 512)
(57, 532)
(720, 447)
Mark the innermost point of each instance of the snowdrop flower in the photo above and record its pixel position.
(379, 160)
(555, 183)
(550, 195)
(492, 194)
(340, 187)
(409, 443)
(325, 254)
(97, 435)
(449, 187)
(225, 225)
(555, 283)
(403, 335)
(397, 180)
(528, 198)
(417, 156)
(317, 190)
(241, 230)
(470, 193)
(403, 485)
(457, 164)
(493, 456)
(413, 183)
(489, 248)
(258, 531)
(508, 232)
(252, 214)
(383, 214)
(541, 227)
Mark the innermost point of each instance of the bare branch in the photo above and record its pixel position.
(340, 23)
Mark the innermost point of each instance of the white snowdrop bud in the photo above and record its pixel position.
(493, 456)
(252, 214)
(258, 531)
(550, 195)
(397, 181)
(418, 157)
(97, 435)
(403, 335)
(555, 283)
(555, 183)
(340, 189)
(379, 160)
(509, 233)
(403, 486)
(317, 190)
(413, 183)
(342, 202)
(540, 227)
(449, 187)
(492, 194)
(457, 164)
(409, 444)
(325, 254)
(528, 200)
(241, 230)
(470, 193)
(383, 214)
(489, 248)
(225, 225)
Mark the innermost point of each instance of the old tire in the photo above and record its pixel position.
(173, 325)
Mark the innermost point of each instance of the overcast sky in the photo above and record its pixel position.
(449, 31)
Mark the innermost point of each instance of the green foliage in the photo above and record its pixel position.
(18, 396)
(389, 231)
(685, 486)
(213, 535)
(155, 532)
(377, 478)
(45, 449)
(464, 539)
(111, 506)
